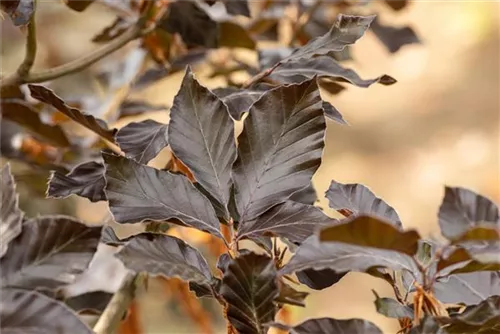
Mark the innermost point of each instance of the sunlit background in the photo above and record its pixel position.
(439, 125)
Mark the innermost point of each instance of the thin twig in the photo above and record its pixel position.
(31, 46)
(260, 76)
(138, 30)
(118, 305)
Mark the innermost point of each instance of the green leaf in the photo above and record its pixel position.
(202, 136)
(358, 199)
(368, 231)
(138, 193)
(11, 217)
(292, 220)
(90, 122)
(143, 141)
(49, 253)
(462, 209)
(279, 149)
(166, 256)
(85, 180)
(249, 287)
(24, 114)
(32, 312)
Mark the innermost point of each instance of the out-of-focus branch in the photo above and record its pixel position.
(118, 305)
(31, 45)
(22, 76)
(303, 20)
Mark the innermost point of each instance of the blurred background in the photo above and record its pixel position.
(439, 125)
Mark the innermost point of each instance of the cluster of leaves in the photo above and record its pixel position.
(254, 187)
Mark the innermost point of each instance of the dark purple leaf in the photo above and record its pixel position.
(394, 38)
(137, 193)
(319, 279)
(269, 57)
(397, 4)
(78, 5)
(279, 149)
(118, 27)
(137, 107)
(462, 209)
(233, 35)
(292, 220)
(90, 122)
(332, 113)
(468, 288)
(85, 180)
(204, 290)
(249, 287)
(109, 237)
(142, 141)
(24, 114)
(190, 21)
(391, 308)
(358, 199)
(346, 30)
(166, 256)
(237, 7)
(25, 311)
(305, 196)
(222, 262)
(289, 295)
(331, 326)
(201, 135)
(342, 258)
(481, 318)
(298, 70)
(428, 325)
(91, 302)
(20, 11)
(10, 214)
(238, 101)
(49, 253)
(366, 231)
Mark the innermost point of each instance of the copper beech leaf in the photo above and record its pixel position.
(332, 113)
(192, 23)
(366, 231)
(343, 257)
(358, 199)
(292, 220)
(166, 256)
(78, 5)
(96, 125)
(279, 149)
(391, 308)
(481, 318)
(26, 311)
(85, 180)
(138, 193)
(237, 101)
(394, 38)
(237, 7)
(24, 114)
(468, 288)
(346, 30)
(201, 135)
(330, 326)
(137, 107)
(49, 253)
(10, 214)
(294, 71)
(142, 141)
(249, 287)
(319, 279)
(462, 209)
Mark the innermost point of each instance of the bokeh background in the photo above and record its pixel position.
(439, 125)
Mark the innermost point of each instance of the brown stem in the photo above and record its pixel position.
(31, 46)
(113, 314)
(260, 76)
(138, 30)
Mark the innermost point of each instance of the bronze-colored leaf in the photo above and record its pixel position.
(10, 214)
